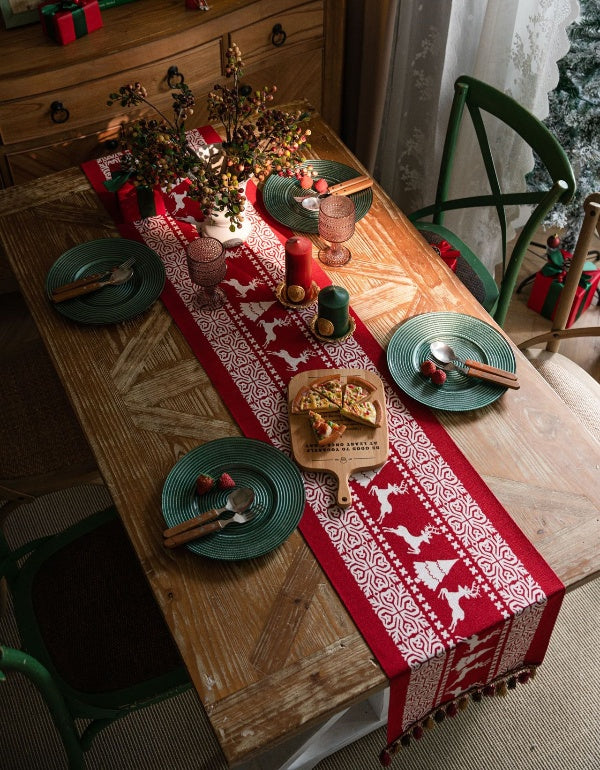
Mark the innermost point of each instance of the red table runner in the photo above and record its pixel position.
(448, 593)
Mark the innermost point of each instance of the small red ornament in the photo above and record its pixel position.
(438, 377)
(428, 368)
(225, 481)
(321, 186)
(553, 241)
(204, 483)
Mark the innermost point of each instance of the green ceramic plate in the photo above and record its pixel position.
(278, 489)
(279, 193)
(110, 304)
(470, 338)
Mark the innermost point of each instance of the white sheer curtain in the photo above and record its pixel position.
(512, 44)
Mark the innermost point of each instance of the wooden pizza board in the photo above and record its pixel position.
(360, 448)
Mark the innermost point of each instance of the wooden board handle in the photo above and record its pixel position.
(344, 496)
(192, 534)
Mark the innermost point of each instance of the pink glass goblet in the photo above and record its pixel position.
(336, 225)
(207, 268)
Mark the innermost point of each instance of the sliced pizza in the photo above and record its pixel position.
(367, 412)
(356, 389)
(331, 388)
(325, 431)
(308, 399)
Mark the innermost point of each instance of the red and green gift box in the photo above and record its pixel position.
(550, 281)
(135, 201)
(138, 202)
(68, 20)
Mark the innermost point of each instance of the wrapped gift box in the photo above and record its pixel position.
(67, 20)
(448, 253)
(550, 281)
(138, 203)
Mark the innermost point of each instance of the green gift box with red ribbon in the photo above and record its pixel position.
(68, 20)
(550, 281)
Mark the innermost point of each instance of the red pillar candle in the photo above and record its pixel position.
(298, 268)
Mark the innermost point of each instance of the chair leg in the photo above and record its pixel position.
(17, 660)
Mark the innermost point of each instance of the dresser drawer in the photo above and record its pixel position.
(274, 35)
(30, 118)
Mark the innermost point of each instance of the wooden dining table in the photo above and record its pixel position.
(270, 648)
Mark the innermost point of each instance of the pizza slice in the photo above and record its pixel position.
(357, 389)
(367, 412)
(308, 399)
(325, 431)
(331, 388)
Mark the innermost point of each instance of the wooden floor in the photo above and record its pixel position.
(521, 324)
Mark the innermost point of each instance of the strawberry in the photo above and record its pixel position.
(321, 185)
(438, 377)
(204, 483)
(428, 368)
(225, 481)
(306, 182)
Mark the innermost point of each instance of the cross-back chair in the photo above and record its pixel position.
(94, 642)
(479, 99)
(575, 386)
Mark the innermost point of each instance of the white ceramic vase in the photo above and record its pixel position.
(217, 225)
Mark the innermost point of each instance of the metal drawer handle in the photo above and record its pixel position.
(278, 35)
(174, 76)
(59, 113)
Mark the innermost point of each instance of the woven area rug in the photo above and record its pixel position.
(550, 725)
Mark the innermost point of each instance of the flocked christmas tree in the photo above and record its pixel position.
(574, 118)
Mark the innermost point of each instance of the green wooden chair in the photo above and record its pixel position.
(94, 641)
(480, 98)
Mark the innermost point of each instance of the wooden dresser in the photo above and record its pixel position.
(53, 111)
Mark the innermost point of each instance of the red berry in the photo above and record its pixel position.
(428, 368)
(204, 483)
(225, 481)
(438, 377)
(321, 186)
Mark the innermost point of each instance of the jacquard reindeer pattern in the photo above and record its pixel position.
(414, 542)
(383, 495)
(453, 598)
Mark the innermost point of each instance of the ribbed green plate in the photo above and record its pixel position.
(278, 489)
(279, 193)
(110, 304)
(470, 338)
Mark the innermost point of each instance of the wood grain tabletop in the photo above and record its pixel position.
(267, 641)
